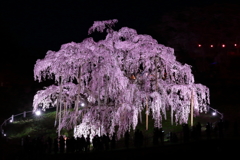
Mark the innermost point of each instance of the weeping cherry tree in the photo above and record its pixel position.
(103, 87)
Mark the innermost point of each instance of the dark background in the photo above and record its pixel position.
(30, 28)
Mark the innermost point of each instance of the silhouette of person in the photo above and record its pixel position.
(49, 144)
(155, 136)
(185, 132)
(62, 144)
(126, 139)
(220, 128)
(208, 130)
(55, 145)
(199, 130)
(88, 143)
(113, 141)
(161, 135)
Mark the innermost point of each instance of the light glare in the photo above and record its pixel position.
(38, 113)
(214, 113)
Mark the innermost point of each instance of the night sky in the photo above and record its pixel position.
(30, 28)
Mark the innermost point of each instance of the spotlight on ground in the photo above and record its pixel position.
(38, 113)
(214, 113)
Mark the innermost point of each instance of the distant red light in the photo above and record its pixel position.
(211, 46)
(223, 45)
(199, 45)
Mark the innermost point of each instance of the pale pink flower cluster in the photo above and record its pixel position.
(115, 79)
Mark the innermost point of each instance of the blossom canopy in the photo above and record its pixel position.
(117, 78)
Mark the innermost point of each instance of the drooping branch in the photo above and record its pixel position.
(113, 77)
(101, 25)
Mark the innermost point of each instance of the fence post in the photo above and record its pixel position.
(12, 119)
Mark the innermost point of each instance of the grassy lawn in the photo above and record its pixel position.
(44, 125)
(34, 126)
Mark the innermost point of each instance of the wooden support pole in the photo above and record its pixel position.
(147, 114)
(59, 119)
(60, 108)
(191, 108)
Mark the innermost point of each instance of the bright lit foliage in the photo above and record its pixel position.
(102, 87)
